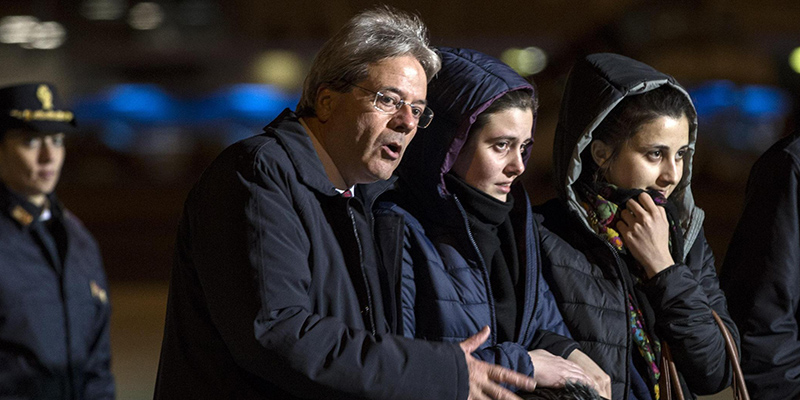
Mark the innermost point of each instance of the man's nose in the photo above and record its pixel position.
(404, 120)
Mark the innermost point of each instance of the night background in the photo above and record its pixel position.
(159, 88)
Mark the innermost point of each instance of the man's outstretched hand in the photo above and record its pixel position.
(485, 378)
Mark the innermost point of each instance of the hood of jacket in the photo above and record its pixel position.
(467, 84)
(596, 84)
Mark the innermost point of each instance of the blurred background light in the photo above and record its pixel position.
(259, 102)
(527, 61)
(713, 97)
(722, 96)
(17, 28)
(282, 68)
(29, 33)
(144, 102)
(146, 16)
(133, 106)
(118, 135)
(46, 36)
(764, 101)
(103, 10)
(747, 118)
(794, 60)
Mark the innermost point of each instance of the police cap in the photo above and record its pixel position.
(34, 106)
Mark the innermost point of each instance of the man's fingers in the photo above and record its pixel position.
(497, 392)
(478, 395)
(472, 343)
(503, 375)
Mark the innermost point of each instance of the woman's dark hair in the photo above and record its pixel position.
(633, 112)
(520, 99)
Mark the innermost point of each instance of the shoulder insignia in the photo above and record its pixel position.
(98, 292)
(21, 215)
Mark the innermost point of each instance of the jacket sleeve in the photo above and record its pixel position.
(551, 331)
(682, 297)
(508, 355)
(99, 384)
(554, 343)
(309, 354)
(761, 275)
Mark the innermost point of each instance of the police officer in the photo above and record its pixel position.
(54, 308)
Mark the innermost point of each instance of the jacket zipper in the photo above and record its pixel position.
(628, 340)
(628, 337)
(367, 308)
(484, 270)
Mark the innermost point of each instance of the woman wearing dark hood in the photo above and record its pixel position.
(624, 249)
(470, 251)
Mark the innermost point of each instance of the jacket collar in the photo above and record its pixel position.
(289, 131)
(23, 212)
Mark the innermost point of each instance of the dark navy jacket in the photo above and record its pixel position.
(54, 312)
(445, 289)
(276, 291)
(589, 278)
(761, 274)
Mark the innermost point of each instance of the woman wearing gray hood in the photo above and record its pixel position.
(624, 249)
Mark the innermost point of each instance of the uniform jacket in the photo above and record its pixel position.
(761, 274)
(271, 296)
(587, 275)
(445, 290)
(54, 311)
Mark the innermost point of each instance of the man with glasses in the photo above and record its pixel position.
(277, 289)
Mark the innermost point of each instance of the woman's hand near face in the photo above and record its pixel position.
(645, 231)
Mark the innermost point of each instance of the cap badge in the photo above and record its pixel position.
(45, 97)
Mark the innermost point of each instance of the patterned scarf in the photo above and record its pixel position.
(603, 203)
(643, 343)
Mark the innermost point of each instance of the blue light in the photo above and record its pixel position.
(763, 101)
(118, 135)
(713, 97)
(144, 102)
(251, 101)
(123, 112)
(753, 101)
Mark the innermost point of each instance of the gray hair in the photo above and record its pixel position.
(370, 36)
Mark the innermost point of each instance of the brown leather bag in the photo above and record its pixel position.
(670, 385)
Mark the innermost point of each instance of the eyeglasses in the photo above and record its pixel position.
(389, 104)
